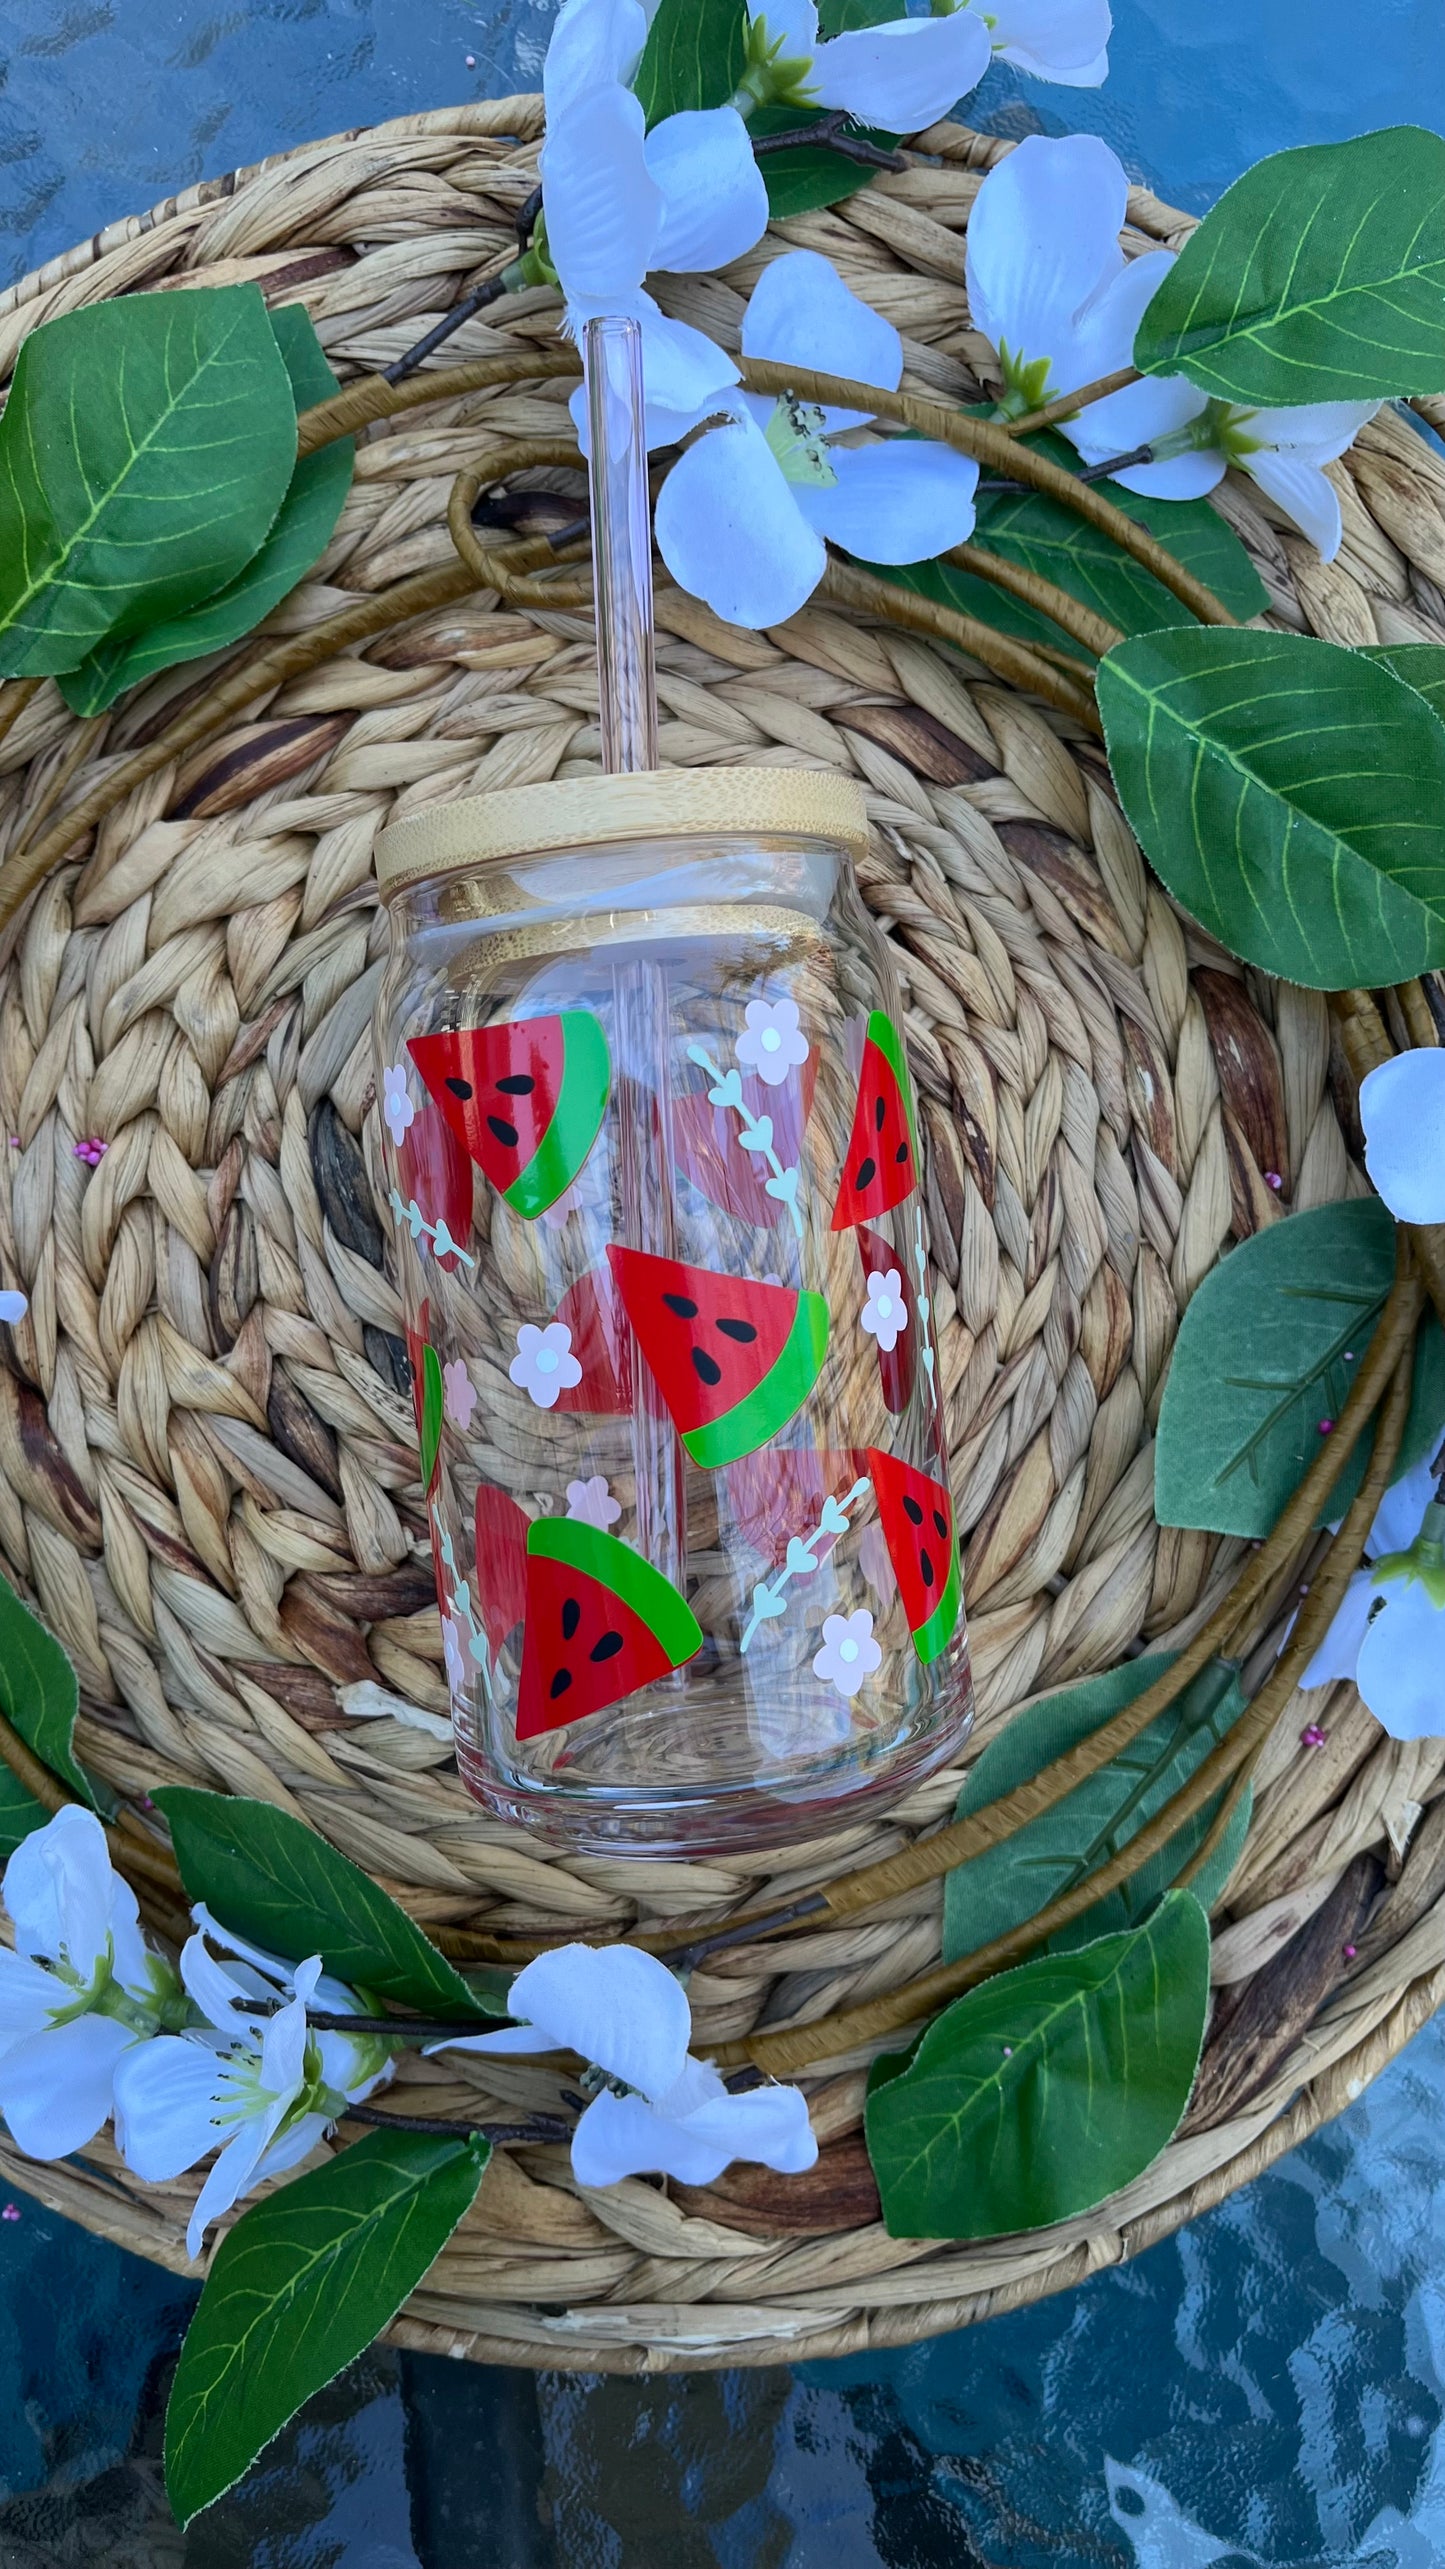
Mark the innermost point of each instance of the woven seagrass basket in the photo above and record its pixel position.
(208, 1476)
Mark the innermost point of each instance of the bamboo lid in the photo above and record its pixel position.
(588, 811)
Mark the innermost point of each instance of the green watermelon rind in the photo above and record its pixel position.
(759, 1415)
(883, 1035)
(932, 1638)
(582, 1095)
(432, 1403)
(626, 1575)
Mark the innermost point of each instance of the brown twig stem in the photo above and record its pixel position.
(1093, 631)
(1067, 405)
(832, 132)
(848, 584)
(15, 695)
(542, 2127)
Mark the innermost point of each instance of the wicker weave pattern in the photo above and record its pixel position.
(209, 1470)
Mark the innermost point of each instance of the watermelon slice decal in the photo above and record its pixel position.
(880, 1165)
(601, 1622)
(501, 1581)
(526, 1099)
(437, 1175)
(602, 1345)
(733, 1360)
(916, 1514)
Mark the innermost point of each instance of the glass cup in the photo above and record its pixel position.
(655, 1162)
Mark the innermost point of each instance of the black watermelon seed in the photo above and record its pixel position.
(460, 1088)
(900, 1155)
(879, 1111)
(925, 1564)
(560, 1683)
(912, 1511)
(941, 1521)
(706, 1367)
(867, 1171)
(571, 1617)
(679, 1303)
(742, 1330)
(518, 1083)
(608, 1647)
(506, 1133)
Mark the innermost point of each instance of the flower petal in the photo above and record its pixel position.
(295, 2144)
(234, 2170)
(1304, 493)
(612, 2004)
(1103, 342)
(58, 1889)
(1401, 1511)
(905, 74)
(1318, 431)
(730, 532)
(1402, 1108)
(684, 373)
(714, 197)
(1401, 1673)
(223, 2000)
(802, 314)
(1183, 477)
(622, 2136)
(603, 205)
(55, 2089)
(902, 501)
(1338, 1654)
(1043, 238)
(593, 42)
(1059, 40)
(167, 2098)
(29, 1996)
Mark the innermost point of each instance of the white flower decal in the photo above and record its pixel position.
(544, 1366)
(849, 1652)
(885, 1313)
(592, 1503)
(660, 2110)
(1402, 1108)
(460, 1393)
(772, 1042)
(397, 1109)
(455, 1657)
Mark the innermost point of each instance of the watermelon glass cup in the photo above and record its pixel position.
(679, 1347)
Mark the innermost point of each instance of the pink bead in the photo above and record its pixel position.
(1327, 1427)
(1273, 1179)
(1349, 1952)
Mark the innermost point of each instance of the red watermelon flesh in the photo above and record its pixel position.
(880, 1165)
(916, 1514)
(501, 1579)
(733, 1360)
(525, 1099)
(437, 1176)
(601, 1622)
(707, 1149)
(898, 1367)
(602, 1345)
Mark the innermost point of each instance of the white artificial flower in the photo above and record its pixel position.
(1402, 1108)
(1049, 284)
(849, 1652)
(397, 1109)
(772, 1042)
(660, 2111)
(261, 2087)
(619, 203)
(592, 1503)
(13, 1306)
(460, 1393)
(1065, 41)
(900, 76)
(742, 516)
(81, 1988)
(1388, 1632)
(544, 1366)
(885, 1312)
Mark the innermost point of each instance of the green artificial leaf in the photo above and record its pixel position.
(1041, 535)
(695, 55)
(302, 529)
(1005, 1886)
(1319, 276)
(1420, 664)
(270, 1878)
(839, 17)
(1042, 2092)
(805, 176)
(1290, 793)
(145, 449)
(40, 1696)
(1267, 1349)
(298, 2289)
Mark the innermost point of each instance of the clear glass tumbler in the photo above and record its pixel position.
(655, 1163)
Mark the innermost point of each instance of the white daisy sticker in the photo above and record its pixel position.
(849, 1652)
(592, 1503)
(397, 1109)
(544, 1366)
(772, 1042)
(460, 1393)
(885, 1312)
